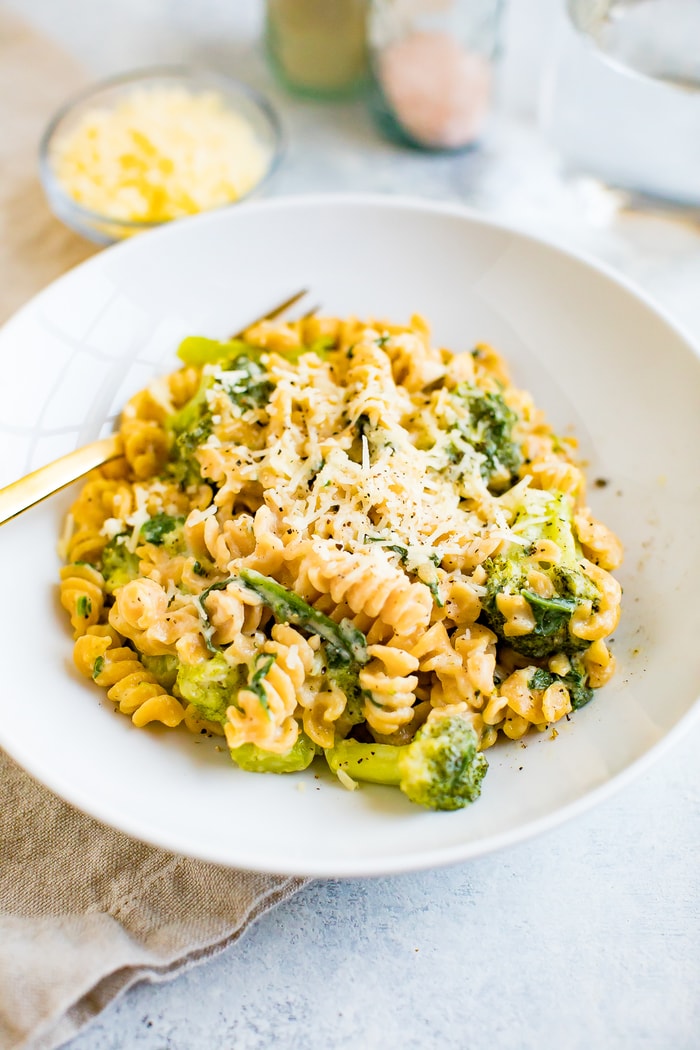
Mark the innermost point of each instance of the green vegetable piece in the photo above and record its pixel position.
(288, 607)
(540, 515)
(97, 667)
(256, 679)
(441, 768)
(346, 677)
(211, 686)
(541, 679)
(488, 428)
(119, 564)
(256, 760)
(246, 384)
(157, 528)
(198, 350)
(83, 606)
(320, 347)
(580, 693)
(189, 428)
(163, 668)
(552, 615)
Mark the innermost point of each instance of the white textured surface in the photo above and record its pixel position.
(587, 937)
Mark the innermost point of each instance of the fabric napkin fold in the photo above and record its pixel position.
(85, 912)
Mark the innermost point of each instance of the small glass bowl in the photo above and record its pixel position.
(240, 98)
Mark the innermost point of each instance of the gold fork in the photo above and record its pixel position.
(19, 495)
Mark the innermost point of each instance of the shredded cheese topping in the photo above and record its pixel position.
(159, 154)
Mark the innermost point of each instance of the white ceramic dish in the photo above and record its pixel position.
(595, 354)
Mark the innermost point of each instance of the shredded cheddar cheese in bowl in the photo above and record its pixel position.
(144, 150)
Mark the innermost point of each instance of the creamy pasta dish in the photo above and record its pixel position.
(333, 539)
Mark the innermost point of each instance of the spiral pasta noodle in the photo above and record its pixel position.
(81, 594)
(390, 685)
(100, 655)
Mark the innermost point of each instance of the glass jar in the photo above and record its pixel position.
(318, 48)
(432, 65)
(620, 98)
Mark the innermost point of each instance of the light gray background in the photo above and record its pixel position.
(588, 937)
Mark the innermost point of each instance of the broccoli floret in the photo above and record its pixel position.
(575, 680)
(256, 760)
(246, 384)
(441, 768)
(189, 428)
(211, 686)
(163, 668)
(540, 516)
(163, 530)
(346, 677)
(488, 428)
(119, 564)
(243, 379)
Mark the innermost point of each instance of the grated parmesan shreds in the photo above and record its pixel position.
(393, 490)
(159, 154)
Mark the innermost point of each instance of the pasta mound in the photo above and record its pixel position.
(334, 531)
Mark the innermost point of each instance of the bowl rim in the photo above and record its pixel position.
(54, 188)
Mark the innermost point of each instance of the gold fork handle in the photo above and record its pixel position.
(46, 480)
(22, 494)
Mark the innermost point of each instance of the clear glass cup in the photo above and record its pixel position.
(620, 97)
(432, 64)
(238, 97)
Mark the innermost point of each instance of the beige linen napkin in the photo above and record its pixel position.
(85, 912)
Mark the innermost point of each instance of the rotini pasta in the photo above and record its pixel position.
(335, 536)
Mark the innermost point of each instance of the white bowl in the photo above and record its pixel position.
(596, 355)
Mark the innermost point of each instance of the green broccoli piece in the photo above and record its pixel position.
(488, 427)
(211, 686)
(243, 380)
(163, 530)
(163, 668)
(119, 564)
(538, 516)
(575, 680)
(345, 676)
(246, 384)
(256, 760)
(198, 350)
(441, 768)
(189, 428)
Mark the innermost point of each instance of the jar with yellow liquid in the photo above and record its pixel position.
(318, 48)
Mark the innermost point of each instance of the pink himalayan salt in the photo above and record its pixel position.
(439, 91)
